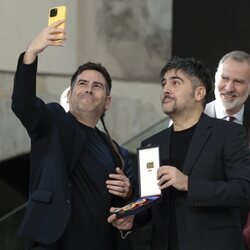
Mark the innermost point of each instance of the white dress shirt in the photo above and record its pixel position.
(221, 113)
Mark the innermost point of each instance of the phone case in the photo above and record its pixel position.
(57, 13)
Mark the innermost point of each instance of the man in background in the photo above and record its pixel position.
(232, 87)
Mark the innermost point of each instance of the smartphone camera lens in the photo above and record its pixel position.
(53, 12)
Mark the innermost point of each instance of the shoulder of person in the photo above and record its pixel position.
(225, 126)
(56, 107)
(60, 115)
(155, 139)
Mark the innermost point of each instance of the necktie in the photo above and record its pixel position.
(230, 118)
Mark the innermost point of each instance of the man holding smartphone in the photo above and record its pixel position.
(77, 171)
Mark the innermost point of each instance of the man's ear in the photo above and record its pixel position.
(200, 93)
(108, 102)
(68, 95)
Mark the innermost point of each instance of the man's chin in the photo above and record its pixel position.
(229, 104)
(168, 111)
(225, 101)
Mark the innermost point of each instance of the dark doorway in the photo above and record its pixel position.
(14, 182)
(207, 30)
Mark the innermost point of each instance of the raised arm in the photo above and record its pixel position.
(28, 108)
(50, 36)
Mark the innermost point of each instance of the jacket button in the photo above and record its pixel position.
(69, 185)
(68, 202)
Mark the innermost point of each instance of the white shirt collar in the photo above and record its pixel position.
(221, 113)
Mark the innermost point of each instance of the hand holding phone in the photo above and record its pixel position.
(57, 13)
(49, 36)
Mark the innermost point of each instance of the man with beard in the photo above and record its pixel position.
(205, 169)
(232, 88)
(77, 171)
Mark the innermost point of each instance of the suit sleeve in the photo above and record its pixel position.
(234, 189)
(31, 110)
(127, 162)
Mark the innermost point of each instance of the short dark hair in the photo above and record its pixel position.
(93, 66)
(193, 68)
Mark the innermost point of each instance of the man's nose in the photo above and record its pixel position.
(89, 89)
(230, 86)
(166, 89)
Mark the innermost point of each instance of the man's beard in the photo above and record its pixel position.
(166, 110)
(227, 105)
(170, 112)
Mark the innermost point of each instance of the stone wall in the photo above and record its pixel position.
(131, 38)
(135, 107)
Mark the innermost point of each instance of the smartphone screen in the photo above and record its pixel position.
(57, 13)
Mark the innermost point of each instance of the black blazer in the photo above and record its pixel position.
(210, 111)
(56, 146)
(218, 166)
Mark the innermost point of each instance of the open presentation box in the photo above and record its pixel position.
(148, 163)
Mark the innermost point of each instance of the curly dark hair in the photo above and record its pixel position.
(193, 68)
(93, 66)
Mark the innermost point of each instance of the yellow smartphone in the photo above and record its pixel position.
(57, 13)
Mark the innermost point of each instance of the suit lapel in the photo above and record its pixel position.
(165, 146)
(200, 137)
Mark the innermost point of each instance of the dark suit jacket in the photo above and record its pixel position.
(218, 166)
(210, 111)
(56, 146)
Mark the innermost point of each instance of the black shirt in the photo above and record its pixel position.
(90, 198)
(179, 145)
